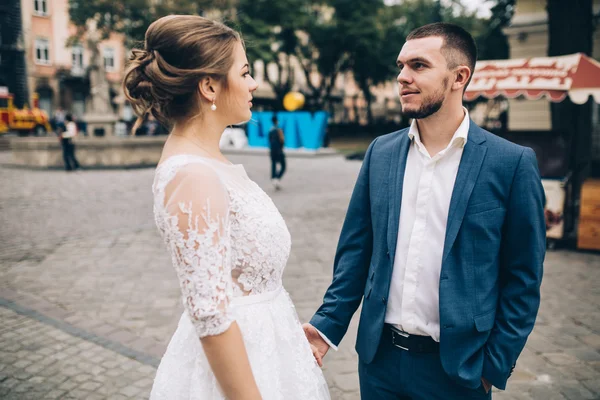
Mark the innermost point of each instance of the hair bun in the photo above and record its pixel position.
(180, 50)
(143, 57)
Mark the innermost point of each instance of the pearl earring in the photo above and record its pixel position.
(214, 106)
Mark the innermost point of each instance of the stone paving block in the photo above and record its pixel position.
(593, 385)
(36, 380)
(130, 391)
(584, 354)
(119, 396)
(94, 396)
(90, 386)
(21, 375)
(546, 393)
(79, 393)
(23, 363)
(144, 382)
(501, 395)
(575, 390)
(68, 385)
(23, 387)
(561, 359)
(592, 340)
(54, 395)
(34, 369)
(347, 382)
(519, 396)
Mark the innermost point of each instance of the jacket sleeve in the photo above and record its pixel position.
(351, 262)
(521, 263)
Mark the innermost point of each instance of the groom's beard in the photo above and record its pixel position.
(431, 104)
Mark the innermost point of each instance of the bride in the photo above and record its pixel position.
(239, 336)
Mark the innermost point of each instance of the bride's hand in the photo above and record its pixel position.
(317, 355)
(318, 346)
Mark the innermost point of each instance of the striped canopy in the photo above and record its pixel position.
(555, 78)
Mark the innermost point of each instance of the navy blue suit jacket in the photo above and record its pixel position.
(492, 260)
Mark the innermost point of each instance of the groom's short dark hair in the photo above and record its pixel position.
(459, 46)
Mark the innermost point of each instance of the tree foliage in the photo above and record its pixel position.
(328, 37)
(129, 17)
(270, 31)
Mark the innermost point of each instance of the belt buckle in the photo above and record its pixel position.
(396, 331)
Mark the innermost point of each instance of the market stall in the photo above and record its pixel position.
(576, 77)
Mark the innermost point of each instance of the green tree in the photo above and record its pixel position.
(270, 30)
(377, 33)
(370, 63)
(131, 17)
(322, 50)
(492, 43)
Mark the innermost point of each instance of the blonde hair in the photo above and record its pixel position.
(179, 51)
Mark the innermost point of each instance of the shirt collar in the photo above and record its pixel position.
(459, 138)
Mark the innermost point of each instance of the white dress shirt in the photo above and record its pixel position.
(71, 130)
(413, 304)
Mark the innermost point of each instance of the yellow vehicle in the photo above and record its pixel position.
(22, 120)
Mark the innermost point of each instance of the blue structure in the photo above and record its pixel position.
(301, 129)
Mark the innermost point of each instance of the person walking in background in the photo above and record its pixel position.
(66, 140)
(276, 143)
(59, 121)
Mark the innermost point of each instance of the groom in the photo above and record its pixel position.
(444, 241)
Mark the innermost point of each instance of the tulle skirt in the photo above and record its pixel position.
(280, 356)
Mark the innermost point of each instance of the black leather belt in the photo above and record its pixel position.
(408, 342)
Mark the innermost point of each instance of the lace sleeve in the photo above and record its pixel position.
(198, 205)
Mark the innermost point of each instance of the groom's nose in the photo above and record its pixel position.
(404, 77)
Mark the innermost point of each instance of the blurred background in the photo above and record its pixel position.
(88, 300)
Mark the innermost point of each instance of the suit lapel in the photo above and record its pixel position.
(396, 179)
(468, 171)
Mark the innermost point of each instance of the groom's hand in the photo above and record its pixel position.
(486, 384)
(317, 344)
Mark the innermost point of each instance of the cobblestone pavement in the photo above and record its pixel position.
(88, 299)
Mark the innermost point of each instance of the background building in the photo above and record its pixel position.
(528, 37)
(55, 69)
(12, 52)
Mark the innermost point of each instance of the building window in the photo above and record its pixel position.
(77, 57)
(42, 51)
(109, 59)
(40, 7)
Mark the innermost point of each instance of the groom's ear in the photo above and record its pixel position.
(462, 77)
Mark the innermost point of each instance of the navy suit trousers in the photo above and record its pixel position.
(402, 375)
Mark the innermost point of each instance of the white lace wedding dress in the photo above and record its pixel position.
(229, 246)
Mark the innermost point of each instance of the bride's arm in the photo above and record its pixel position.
(227, 356)
(199, 205)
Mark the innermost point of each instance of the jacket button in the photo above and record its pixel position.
(388, 254)
(383, 300)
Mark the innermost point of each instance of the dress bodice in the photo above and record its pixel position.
(226, 237)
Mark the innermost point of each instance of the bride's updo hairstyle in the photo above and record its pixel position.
(179, 51)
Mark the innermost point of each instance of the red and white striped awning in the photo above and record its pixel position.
(555, 78)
